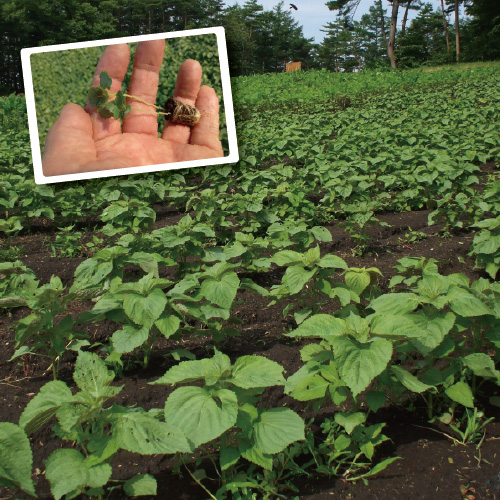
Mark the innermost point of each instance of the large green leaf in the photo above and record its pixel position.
(139, 432)
(482, 365)
(359, 363)
(461, 393)
(221, 291)
(127, 339)
(16, 458)
(323, 326)
(256, 371)
(145, 310)
(92, 376)
(277, 428)
(296, 277)
(67, 472)
(357, 281)
(395, 303)
(200, 413)
(465, 304)
(44, 406)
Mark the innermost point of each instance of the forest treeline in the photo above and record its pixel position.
(260, 40)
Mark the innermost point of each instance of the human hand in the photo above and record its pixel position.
(82, 141)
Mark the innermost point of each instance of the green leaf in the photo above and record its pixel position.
(139, 432)
(349, 421)
(277, 428)
(221, 292)
(200, 413)
(286, 257)
(97, 96)
(255, 455)
(296, 277)
(256, 371)
(482, 365)
(168, 325)
(142, 484)
(98, 475)
(467, 305)
(16, 458)
(145, 310)
(127, 339)
(375, 400)
(185, 371)
(44, 406)
(331, 261)
(323, 326)
(359, 363)
(105, 80)
(395, 303)
(461, 393)
(306, 384)
(92, 376)
(67, 471)
(228, 457)
(357, 281)
(410, 381)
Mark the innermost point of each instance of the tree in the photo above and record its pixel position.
(445, 25)
(392, 34)
(346, 8)
(413, 5)
(482, 33)
(375, 39)
(423, 40)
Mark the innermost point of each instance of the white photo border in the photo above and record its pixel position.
(232, 157)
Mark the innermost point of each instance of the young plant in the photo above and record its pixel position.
(67, 242)
(117, 108)
(308, 279)
(43, 332)
(141, 309)
(225, 406)
(97, 433)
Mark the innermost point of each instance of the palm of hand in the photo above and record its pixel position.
(82, 141)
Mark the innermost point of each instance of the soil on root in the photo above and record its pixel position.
(431, 464)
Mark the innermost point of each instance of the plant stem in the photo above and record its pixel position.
(198, 482)
(139, 100)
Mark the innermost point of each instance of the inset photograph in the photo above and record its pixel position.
(129, 105)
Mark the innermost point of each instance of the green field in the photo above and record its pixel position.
(293, 247)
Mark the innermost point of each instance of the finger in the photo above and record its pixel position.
(186, 91)
(114, 61)
(69, 143)
(144, 85)
(206, 131)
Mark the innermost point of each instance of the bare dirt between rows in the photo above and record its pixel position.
(431, 466)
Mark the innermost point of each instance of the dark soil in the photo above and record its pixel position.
(431, 466)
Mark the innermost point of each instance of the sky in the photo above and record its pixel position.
(312, 15)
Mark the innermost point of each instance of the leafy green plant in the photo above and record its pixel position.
(486, 246)
(118, 108)
(97, 433)
(127, 216)
(411, 237)
(67, 243)
(141, 309)
(17, 284)
(309, 280)
(347, 440)
(43, 332)
(225, 407)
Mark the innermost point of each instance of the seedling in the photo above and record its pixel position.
(117, 108)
